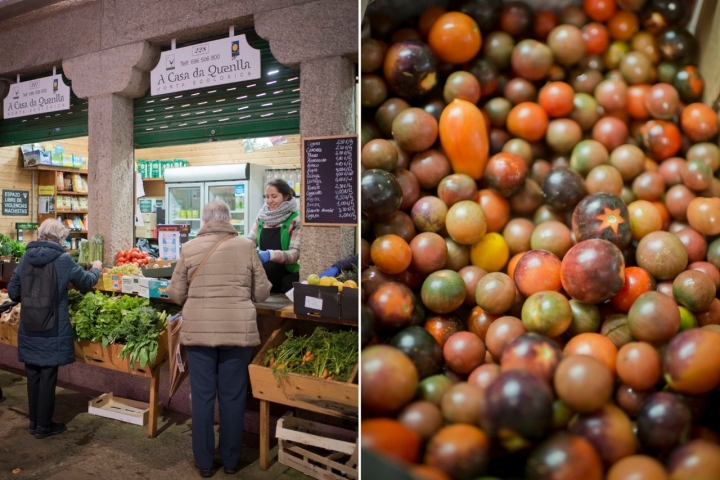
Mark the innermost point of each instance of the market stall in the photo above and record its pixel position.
(541, 216)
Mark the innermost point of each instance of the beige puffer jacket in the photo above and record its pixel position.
(218, 308)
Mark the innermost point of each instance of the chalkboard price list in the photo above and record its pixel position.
(329, 180)
(345, 179)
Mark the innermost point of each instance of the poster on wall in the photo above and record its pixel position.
(16, 202)
(228, 60)
(42, 95)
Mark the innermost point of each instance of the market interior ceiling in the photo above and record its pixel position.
(14, 8)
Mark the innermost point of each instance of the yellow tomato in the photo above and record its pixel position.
(491, 253)
(327, 281)
(313, 279)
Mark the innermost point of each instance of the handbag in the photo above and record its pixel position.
(178, 356)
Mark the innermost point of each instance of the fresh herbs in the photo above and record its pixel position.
(123, 319)
(324, 354)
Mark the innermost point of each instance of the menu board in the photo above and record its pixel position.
(329, 180)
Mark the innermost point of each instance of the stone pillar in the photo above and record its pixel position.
(322, 39)
(326, 108)
(110, 79)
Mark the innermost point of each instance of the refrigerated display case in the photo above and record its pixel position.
(188, 189)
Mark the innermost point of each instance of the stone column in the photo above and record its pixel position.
(326, 108)
(321, 38)
(110, 79)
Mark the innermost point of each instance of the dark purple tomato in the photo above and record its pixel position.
(516, 18)
(410, 68)
(609, 430)
(564, 457)
(460, 451)
(428, 214)
(386, 113)
(421, 348)
(456, 187)
(678, 45)
(630, 399)
(518, 409)
(484, 12)
(380, 194)
(533, 353)
(664, 422)
(689, 83)
(657, 15)
(604, 216)
(390, 378)
(409, 187)
(487, 74)
(696, 460)
(593, 271)
(563, 188)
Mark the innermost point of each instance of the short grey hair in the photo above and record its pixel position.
(52, 230)
(216, 211)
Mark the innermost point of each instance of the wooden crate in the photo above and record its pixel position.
(94, 354)
(9, 334)
(330, 397)
(123, 409)
(318, 450)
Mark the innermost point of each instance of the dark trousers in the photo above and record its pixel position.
(41, 383)
(222, 371)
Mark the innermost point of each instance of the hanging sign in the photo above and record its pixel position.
(42, 95)
(229, 60)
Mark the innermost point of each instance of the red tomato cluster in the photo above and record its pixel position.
(132, 255)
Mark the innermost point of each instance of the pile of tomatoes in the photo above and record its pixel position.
(132, 256)
(540, 243)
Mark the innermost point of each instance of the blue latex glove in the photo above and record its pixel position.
(264, 255)
(330, 272)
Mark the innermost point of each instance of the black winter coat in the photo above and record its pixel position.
(56, 346)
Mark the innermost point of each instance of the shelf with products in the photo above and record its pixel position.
(71, 211)
(51, 168)
(62, 194)
(80, 194)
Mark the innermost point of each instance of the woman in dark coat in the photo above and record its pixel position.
(43, 352)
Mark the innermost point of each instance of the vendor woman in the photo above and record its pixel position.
(276, 234)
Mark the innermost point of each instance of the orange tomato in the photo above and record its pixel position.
(464, 138)
(527, 120)
(595, 345)
(600, 10)
(557, 99)
(455, 38)
(635, 105)
(623, 25)
(391, 253)
(496, 208)
(596, 38)
(699, 122)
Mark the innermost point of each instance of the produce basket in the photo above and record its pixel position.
(94, 353)
(329, 397)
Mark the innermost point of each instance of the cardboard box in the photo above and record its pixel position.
(159, 269)
(150, 220)
(116, 283)
(123, 409)
(130, 284)
(153, 287)
(7, 268)
(150, 204)
(349, 303)
(316, 300)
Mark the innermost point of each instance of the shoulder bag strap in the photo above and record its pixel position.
(208, 256)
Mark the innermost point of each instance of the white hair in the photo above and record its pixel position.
(216, 211)
(52, 231)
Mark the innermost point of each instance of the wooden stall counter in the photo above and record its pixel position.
(329, 397)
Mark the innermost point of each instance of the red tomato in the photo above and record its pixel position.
(637, 282)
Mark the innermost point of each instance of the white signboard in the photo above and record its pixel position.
(42, 95)
(229, 60)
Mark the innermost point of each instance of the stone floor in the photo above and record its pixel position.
(99, 448)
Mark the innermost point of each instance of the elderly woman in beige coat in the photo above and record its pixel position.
(217, 278)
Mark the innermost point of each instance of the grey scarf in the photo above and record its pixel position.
(273, 218)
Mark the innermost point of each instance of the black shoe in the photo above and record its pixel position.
(53, 429)
(205, 472)
(232, 471)
(31, 429)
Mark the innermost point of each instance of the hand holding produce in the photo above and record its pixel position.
(132, 256)
(97, 264)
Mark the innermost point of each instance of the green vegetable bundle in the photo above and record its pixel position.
(10, 247)
(127, 320)
(324, 354)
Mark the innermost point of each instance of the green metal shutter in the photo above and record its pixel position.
(46, 127)
(263, 107)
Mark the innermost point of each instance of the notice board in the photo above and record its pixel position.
(16, 202)
(329, 180)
